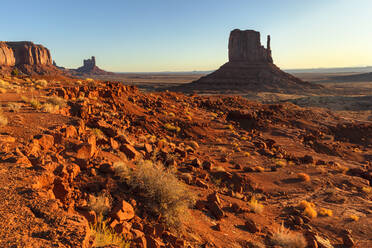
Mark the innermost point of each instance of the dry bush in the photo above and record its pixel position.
(100, 204)
(353, 217)
(255, 206)
(285, 238)
(171, 127)
(57, 101)
(325, 212)
(105, 236)
(309, 209)
(50, 108)
(14, 107)
(35, 103)
(162, 193)
(3, 119)
(41, 83)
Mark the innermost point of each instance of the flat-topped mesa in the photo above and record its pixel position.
(245, 46)
(23, 53)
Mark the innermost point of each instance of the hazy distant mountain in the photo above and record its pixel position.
(332, 70)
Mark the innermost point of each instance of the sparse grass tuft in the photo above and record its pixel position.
(285, 238)
(255, 206)
(100, 204)
(3, 119)
(57, 101)
(162, 193)
(308, 208)
(325, 212)
(35, 103)
(41, 83)
(171, 127)
(99, 134)
(353, 217)
(50, 108)
(14, 107)
(105, 236)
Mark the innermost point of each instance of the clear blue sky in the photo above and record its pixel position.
(184, 35)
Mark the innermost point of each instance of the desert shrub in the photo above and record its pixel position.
(99, 134)
(171, 127)
(105, 236)
(35, 103)
(255, 206)
(3, 119)
(57, 101)
(285, 238)
(162, 193)
(14, 107)
(325, 212)
(25, 99)
(100, 204)
(41, 83)
(15, 72)
(308, 209)
(50, 108)
(353, 217)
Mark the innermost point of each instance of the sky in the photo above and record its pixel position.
(187, 35)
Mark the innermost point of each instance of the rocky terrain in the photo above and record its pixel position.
(250, 68)
(101, 164)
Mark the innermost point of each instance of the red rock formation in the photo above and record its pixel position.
(250, 68)
(28, 53)
(6, 55)
(26, 56)
(90, 68)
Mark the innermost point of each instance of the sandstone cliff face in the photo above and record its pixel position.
(6, 55)
(246, 46)
(23, 53)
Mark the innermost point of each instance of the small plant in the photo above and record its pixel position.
(100, 204)
(3, 119)
(35, 103)
(57, 101)
(171, 127)
(325, 212)
(105, 236)
(41, 83)
(50, 108)
(285, 238)
(14, 107)
(15, 72)
(308, 208)
(353, 217)
(303, 177)
(255, 206)
(159, 190)
(99, 134)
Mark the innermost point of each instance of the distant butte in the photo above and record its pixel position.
(90, 68)
(250, 68)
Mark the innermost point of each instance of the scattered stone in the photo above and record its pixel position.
(251, 226)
